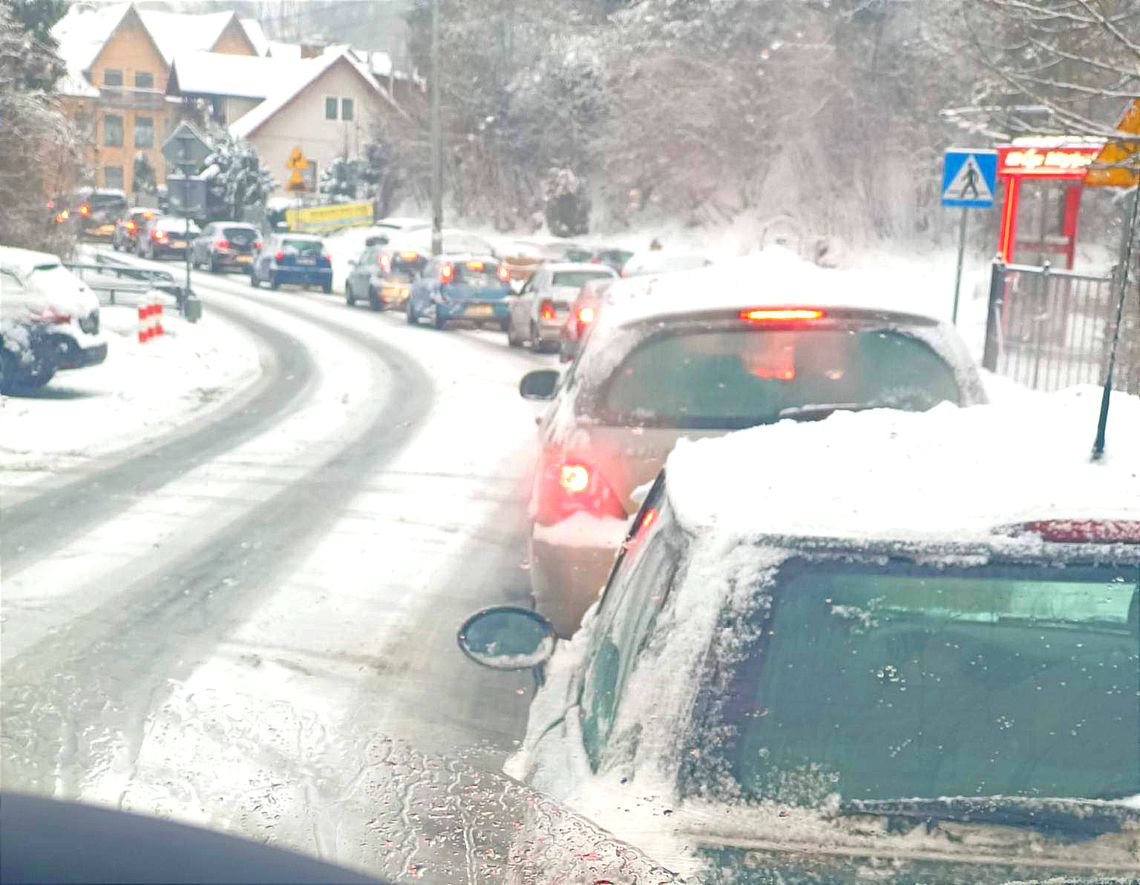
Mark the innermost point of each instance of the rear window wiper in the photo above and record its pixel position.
(1071, 819)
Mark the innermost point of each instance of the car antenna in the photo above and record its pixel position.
(1126, 265)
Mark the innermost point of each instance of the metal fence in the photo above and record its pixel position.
(1050, 329)
(117, 283)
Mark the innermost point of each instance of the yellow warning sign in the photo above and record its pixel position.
(1118, 163)
(298, 164)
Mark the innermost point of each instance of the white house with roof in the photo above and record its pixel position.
(327, 106)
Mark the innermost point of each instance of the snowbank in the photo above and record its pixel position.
(139, 392)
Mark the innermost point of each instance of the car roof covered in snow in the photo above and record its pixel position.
(23, 261)
(576, 266)
(950, 475)
(772, 278)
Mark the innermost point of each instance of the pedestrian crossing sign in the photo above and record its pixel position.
(969, 177)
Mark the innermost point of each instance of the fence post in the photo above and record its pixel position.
(993, 314)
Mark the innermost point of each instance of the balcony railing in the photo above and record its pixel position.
(126, 97)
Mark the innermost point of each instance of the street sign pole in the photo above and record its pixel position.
(187, 150)
(958, 272)
(436, 139)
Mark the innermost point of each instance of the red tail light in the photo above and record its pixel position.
(780, 315)
(258, 244)
(328, 258)
(586, 315)
(546, 310)
(222, 244)
(84, 210)
(132, 226)
(566, 486)
(385, 262)
(158, 236)
(504, 274)
(446, 272)
(280, 256)
(1080, 531)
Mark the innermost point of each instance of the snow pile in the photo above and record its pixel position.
(140, 391)
(945, 474)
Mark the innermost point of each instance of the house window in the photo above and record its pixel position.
(113, 177)
(112, 77)
(346, 109)
(144, 132)
(330, 108)
(144, 80)
(112, 130)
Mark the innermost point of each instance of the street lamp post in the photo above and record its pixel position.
(436, 139)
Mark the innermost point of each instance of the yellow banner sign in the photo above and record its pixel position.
(319, 219)
(1118, 163)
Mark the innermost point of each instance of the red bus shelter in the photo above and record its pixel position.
(1052, 160)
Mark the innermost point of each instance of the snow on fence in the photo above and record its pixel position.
(1050, 329)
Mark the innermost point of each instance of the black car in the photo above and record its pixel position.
(225, 245)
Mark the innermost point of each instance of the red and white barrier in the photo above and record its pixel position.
(150, 321)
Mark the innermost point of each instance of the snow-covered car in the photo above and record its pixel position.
(661, 261)
(383, 273)
(540, 309)
(884, 647)
(50, 319)
(166, 236)
(701, 353)
(584, 310)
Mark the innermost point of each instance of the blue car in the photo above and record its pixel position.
(471, 288)
(292, 259)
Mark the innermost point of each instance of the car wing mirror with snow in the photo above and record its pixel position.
(507, 637)
(539, 384)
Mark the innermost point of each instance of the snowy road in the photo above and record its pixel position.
(226, 628)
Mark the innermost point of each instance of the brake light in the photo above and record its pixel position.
(328, 258)
(1080, 531)
(84, 210)
(504, 274)
(132, 226)
(385, 262)
(586, 316)
(446, 272)
(565, 486)
(780, 315)
(280, 256)
(258, 244)
(158, 236)
(409, 256)
(475, 265)
(222, 244)
(546, 310)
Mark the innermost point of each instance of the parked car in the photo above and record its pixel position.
(701, 353)
(869, 649)
(292, 260)
(225, 245)
(584, 311)
(166, 236)
(541, 307)
(125, 237)
(383, 275)
(96, 211)
(49, 319)
(472, 288)
(660, 261)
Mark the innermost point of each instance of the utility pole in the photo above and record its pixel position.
(436, 139)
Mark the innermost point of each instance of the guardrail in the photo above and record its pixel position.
(112, 281)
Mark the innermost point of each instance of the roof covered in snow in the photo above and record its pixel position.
(217, 73)
(951, 474)
(772, 278)
(304, 74)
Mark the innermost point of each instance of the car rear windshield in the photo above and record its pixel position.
(900, 681)
(408, 262)
(239, 234)
(306, 248)
(577, 278)
(740, 378)
(175, 225)
(477, 272)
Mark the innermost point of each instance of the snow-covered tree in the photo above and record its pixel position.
(567, 208)
(142, 175)
(38, 144)
(239, 183)
(341, 178)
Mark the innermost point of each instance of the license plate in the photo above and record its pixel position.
(479, 310)
(177, 244)
(307, 261)
(245, 259)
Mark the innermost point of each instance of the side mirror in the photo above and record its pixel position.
(507, 637)
(539, 384)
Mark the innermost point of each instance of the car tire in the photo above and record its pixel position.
(374, 300)
(327, 288)
(535, 340)
(115, 244)
(213, 265)
(437, 322)
(410, 314)
(274, 283)
(512, 339)
(349, 298)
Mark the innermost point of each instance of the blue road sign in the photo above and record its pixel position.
(969, 178)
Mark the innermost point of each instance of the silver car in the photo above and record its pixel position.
(539, 311)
